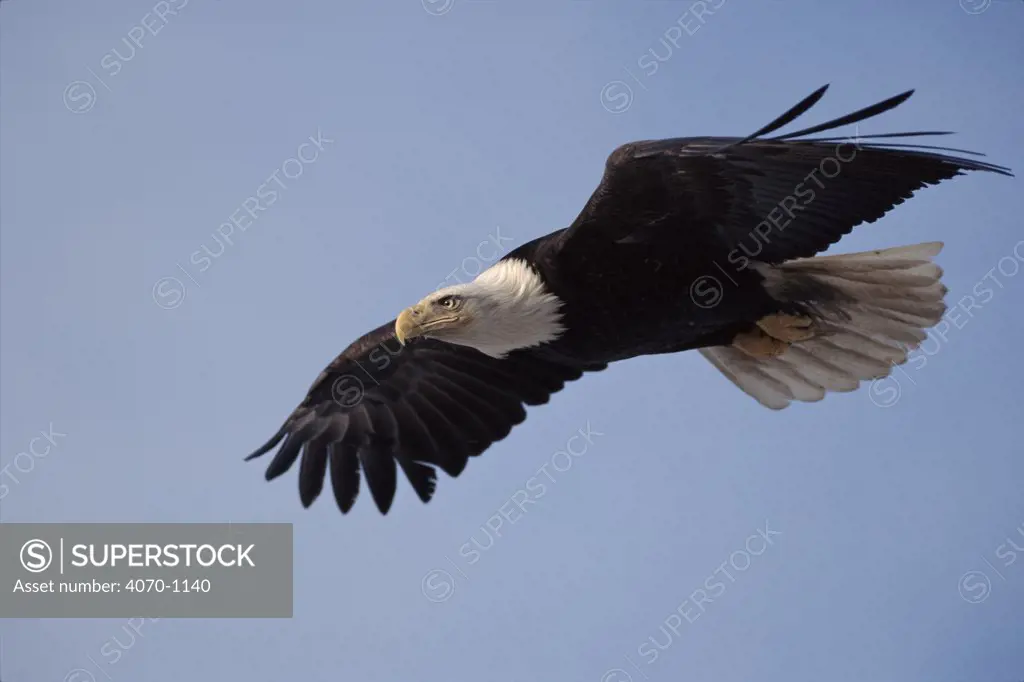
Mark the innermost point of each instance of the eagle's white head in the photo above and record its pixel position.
(507, 307)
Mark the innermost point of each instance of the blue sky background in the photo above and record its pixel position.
(453, 123)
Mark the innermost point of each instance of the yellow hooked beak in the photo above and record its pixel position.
(419, 320)
(408, 326)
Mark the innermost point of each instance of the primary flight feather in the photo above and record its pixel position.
(692, 243)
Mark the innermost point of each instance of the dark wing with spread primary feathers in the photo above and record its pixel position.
(710, 193)
(423, 405)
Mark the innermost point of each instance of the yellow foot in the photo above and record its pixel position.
(788, 328)
(757, 344)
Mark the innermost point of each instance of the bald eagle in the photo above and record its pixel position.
(703, 243)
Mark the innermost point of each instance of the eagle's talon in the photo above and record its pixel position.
(758, 344)
(788, 328)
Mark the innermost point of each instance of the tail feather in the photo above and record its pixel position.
(826, 375)
(918, 276)
(878, 306)
(883, 328)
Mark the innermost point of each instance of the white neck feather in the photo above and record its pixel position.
(512, 309)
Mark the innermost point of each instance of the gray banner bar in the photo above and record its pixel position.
(156, 570)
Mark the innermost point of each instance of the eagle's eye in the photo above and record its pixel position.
(449, 302)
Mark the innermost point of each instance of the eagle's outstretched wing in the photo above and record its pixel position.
(423, 405)
(785, 197)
